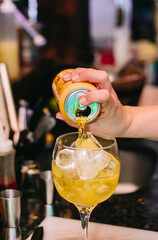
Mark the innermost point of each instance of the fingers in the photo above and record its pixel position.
(59, 116)
(99, 96)
(97, 77)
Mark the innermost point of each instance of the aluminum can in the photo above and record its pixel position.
(67, 96)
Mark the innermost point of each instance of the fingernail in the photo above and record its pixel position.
(66, 76)
(82, 100)
(75, 78)
(59, 116)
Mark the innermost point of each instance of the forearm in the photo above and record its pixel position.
(143, 122)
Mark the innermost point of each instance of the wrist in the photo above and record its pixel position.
(127, 120)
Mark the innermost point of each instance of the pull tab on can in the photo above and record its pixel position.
(67, 96)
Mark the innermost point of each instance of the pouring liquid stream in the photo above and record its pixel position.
(81, 118)
(81, 121)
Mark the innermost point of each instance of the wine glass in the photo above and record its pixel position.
(85, 171)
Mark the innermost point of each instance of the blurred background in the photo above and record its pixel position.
(102, 34)
(40, 38)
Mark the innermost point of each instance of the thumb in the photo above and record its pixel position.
(98, 96)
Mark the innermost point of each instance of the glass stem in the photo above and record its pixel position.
(84, 215)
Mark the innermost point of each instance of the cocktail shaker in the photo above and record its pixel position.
(7, 156)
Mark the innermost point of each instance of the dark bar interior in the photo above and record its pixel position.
(116, 36)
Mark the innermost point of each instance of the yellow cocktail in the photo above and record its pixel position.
(85, 170)
(87, 192)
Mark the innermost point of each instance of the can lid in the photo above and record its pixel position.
(5, 144)
(72, 101)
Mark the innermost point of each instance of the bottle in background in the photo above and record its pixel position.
(9, 47)
(30, 179)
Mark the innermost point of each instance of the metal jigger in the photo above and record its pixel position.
(10, 201)
(47, 191)
(10, 205)
(12, 234)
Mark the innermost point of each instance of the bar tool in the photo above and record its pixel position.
(10, 202)
(38, 234)
(47, 191)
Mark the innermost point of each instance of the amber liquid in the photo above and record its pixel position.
(9, 54)
(81, 121)
(87, 193)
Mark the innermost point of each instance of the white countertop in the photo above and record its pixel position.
(56, 228)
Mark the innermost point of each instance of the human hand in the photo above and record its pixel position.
(113, 119)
